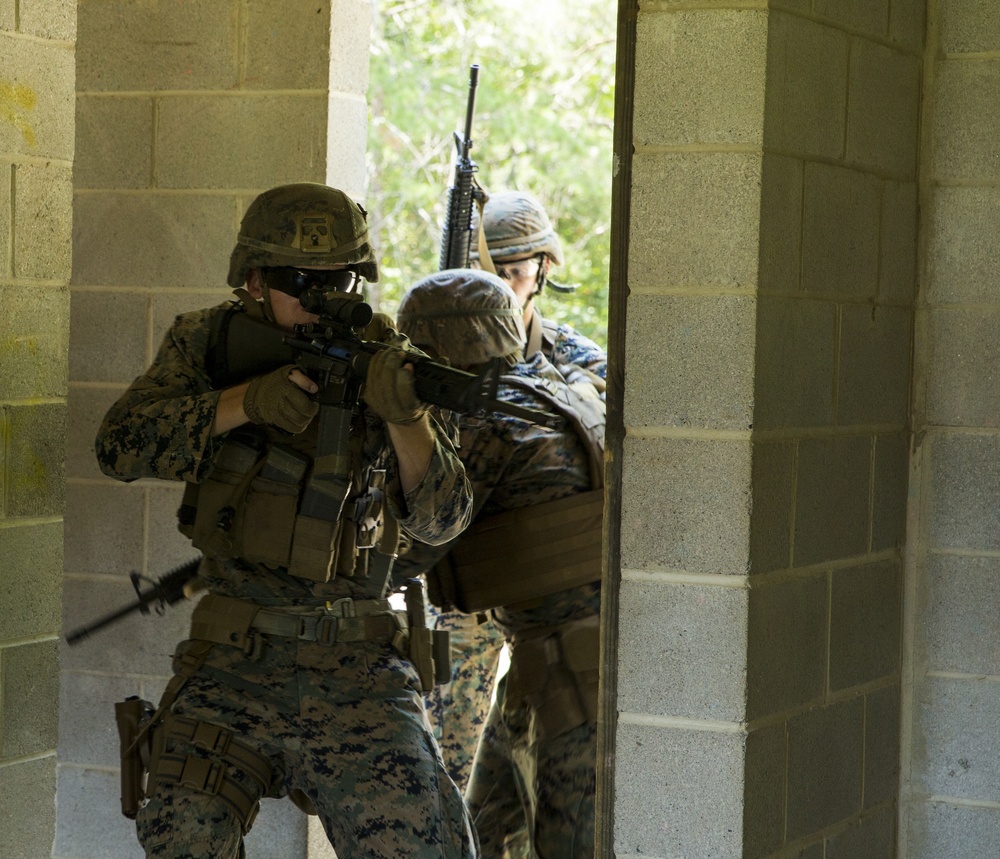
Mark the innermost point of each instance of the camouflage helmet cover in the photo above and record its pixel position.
(467, 316)
(516, 225)
(303, 224)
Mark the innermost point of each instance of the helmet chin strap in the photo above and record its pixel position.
(257, 308)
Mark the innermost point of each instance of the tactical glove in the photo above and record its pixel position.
(276, 400)
(389, 388)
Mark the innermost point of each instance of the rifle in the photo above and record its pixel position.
(334, 356)
(457, 233)
(166, 590)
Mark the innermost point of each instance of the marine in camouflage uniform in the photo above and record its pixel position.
(523, 247)
(532, 786)
(293, 682)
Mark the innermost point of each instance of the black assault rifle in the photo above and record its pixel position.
(334, 356)
(165, 591)
(457, 232)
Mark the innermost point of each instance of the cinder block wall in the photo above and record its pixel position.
(184, 111)
(36, 160)
(951, 792)
(771, 272)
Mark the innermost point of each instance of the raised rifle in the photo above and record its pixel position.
(165, 591)
(464, 191)
(333, 355)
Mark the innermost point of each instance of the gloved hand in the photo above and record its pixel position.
(389, 388)
(276, 400)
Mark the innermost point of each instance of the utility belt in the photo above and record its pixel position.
(554, 672)
(522, 555)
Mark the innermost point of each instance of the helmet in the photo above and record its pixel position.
(304, 224)
(516, 225)
(464, 315)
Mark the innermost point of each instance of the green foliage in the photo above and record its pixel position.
(543, 124)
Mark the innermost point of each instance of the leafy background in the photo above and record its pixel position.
(543, 124)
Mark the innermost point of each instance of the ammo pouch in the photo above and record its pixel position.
(524, 554)
(428, 649)
(554, 672)
(249, 508)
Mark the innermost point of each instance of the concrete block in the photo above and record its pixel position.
(8, 16)
(771, 508)
(48, 19)
(883, 107)
(865, 621)
(764, 792)
(964, 245)
(907, 24)
(87, 732)
(958, 721)
(350, 37)
(787, 632)
(683, 651)
(31, 564)
(36, 459)
(114, 142)
(40, 122)
(43, 221)
(937, 829)
(686, 505)
(137, 644)
(109, 336)
(965, 491)
(824, 767)
(347, 122)
(34, 341)
(874, 338)
(87, 407)
(882, 752)
(30, 677)
(288, 45)
(869, 16)
(279, 832)
(960, 602)
(807, 87)
(167, 306)
(695, 219)
(831, 504)
(796, 354)
(873, 837)
(898, 243)
(128, 46)
(966, 131)
(166, 547)
(678, 793)
(219, 141)
(780, 224)
(153, 239)
(964, 353)
(691, 361)
(90, 821)
(889, 495)
(104, 527)
(700, 78)
(27, 795)
(965, 29)
(840, 231)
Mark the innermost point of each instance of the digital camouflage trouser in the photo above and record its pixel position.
(345, 725)
(457, 710)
